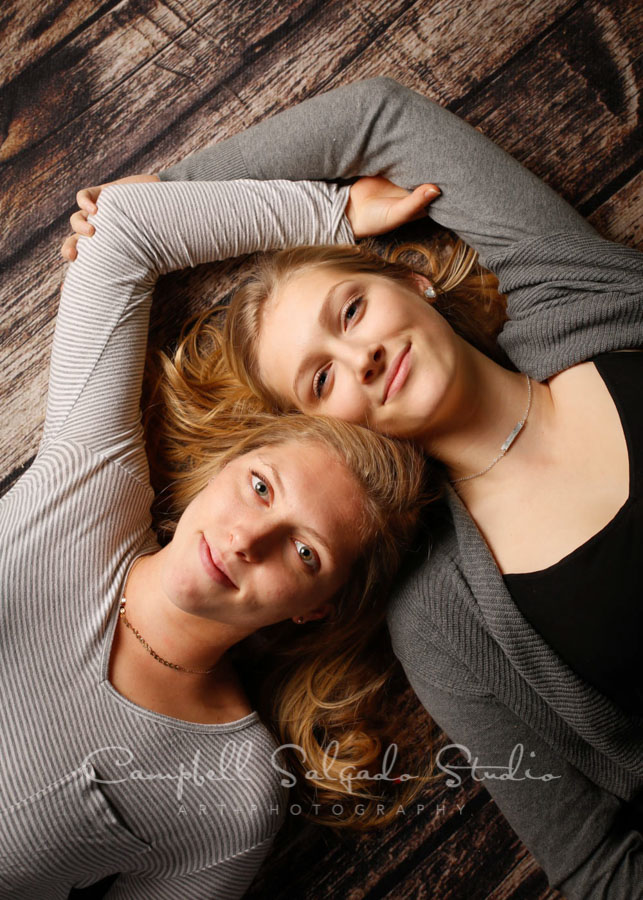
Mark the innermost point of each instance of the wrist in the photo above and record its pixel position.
(138, 179)
(350, 212)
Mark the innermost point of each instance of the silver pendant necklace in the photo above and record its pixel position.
(508, 441)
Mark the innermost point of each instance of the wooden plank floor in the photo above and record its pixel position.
(91, 91)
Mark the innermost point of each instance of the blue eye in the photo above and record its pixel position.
(349, 313)
(260, 487)
(318, 383)
(351, 309)
(306, 554)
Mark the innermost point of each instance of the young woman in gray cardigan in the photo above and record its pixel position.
(507, 676)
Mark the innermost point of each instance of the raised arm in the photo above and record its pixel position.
(577, 832)
(141, 232)
(380, 127)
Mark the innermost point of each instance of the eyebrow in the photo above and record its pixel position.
(324, 320)
(318, 537)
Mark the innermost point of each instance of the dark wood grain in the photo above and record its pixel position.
(619, 217)
(66, 83)
(228, 46)
(101, 103)
(446, 49)
(562, 122)
(91, 91)
(30, 31)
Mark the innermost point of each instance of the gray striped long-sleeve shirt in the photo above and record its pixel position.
(93, 784)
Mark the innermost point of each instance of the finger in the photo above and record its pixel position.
(68, 249)
(414, 205)
(425, 194)
(86, 199)
(79, 223)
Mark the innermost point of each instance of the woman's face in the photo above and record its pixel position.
(272, 536)
(360, 348)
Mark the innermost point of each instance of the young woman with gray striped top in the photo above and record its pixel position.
(129, 742)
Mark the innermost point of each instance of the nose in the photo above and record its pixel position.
(370, 363)
(253, 540)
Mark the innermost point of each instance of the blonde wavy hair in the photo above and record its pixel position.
(467, 296)
(325, 681)
(335, 680)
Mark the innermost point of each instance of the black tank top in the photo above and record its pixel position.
(589, 605)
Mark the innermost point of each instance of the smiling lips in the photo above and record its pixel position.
(214, 565)
(397, 373)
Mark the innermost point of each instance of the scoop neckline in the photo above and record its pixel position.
(582, 548)
(618, 515)
(246, 721)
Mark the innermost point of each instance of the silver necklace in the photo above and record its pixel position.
(508, 441)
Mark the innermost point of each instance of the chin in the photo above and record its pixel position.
(411, 420)
(184, 592)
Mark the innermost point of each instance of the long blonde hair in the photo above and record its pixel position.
(334, 680)
(467, 296)
(325, 681)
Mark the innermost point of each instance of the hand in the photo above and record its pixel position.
(86, 200)
(376, 205)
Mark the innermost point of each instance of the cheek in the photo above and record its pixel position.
(279, 586)
(347, 402)
(285, 593)
(395, 318)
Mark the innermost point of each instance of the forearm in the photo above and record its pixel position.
(177, 225)
(143, 231)
(379, 127)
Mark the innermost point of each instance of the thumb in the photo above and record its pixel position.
(413, 206)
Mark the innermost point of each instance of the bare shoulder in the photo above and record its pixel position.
(581, 384)
(569, 481)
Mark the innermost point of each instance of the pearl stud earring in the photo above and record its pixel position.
(429, 292)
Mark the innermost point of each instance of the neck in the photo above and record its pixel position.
(190, 641)
(482, 408)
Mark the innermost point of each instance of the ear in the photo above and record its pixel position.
(425, 286)
(319, 613)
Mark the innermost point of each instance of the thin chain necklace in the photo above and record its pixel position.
(508, 441)
(153, 653)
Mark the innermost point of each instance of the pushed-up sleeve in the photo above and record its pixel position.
(143, 231)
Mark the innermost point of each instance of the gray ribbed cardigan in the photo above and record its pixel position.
(479, 668)
(73, 809)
